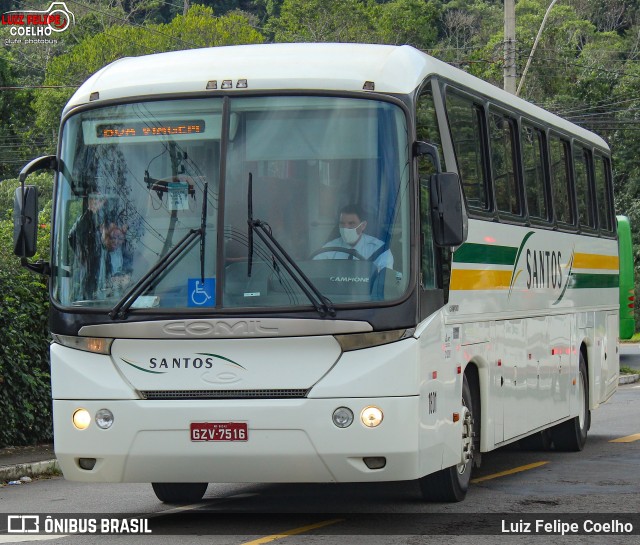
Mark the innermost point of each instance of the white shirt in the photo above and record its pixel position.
(366, 247)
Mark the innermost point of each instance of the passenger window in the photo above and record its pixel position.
(465, 125)
(534, 172)
(603, 193)
(562, 202)
(581, 167)
(503, 164)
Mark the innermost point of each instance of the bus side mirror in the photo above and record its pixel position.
(448, 213)
(25, 209)
(25, 221)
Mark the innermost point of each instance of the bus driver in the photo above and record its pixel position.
(352, 225)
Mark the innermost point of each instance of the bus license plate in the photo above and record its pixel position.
(219, 431)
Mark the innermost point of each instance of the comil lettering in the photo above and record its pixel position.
(544, 269)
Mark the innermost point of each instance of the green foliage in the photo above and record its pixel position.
(25, 392)
(323, 21)
(396, 22)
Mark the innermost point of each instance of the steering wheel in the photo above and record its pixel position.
(348, 251)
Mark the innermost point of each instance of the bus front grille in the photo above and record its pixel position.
(295, 393)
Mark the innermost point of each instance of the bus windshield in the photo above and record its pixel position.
(329, 181)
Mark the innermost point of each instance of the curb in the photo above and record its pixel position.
(628, 379)
(31, 469)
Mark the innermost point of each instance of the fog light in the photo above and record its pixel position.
(371, 417)
(343, 417)
(81, 419)
(87, 463)
(104, 419)
(375, 462)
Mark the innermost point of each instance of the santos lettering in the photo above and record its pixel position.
(544, 269)
(180, 363)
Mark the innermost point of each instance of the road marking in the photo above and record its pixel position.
(627, 439)
(508, 472)
(295, 531)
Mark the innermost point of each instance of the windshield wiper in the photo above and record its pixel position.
(203, 228)
(124, 304)
(250, 223)
(321, 303)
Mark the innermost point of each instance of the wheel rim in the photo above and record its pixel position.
(467, 440)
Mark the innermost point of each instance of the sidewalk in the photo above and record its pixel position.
(17, 462)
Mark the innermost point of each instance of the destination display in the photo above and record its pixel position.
(141, 128)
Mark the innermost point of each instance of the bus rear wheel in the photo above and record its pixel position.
(451, 484)
(179, 492)
(571, 435)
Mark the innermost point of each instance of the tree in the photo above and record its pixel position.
(397, 22)
(413, 22)
(323, 21)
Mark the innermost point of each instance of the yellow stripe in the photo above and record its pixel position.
(295, 531)
(487, 279)
(596, 261)
(627, 439)
(508, 472)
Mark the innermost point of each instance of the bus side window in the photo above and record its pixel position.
(562, 196)
(603, 194)
(534, 172)
(503, 164)
(584, 194)
(466, 127)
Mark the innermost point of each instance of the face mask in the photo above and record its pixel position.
(350, 236)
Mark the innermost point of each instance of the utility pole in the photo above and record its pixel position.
(510, 46)
(186, 7)
(535, 44)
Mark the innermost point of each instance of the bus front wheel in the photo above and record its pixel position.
(451, 484)
(179, 492)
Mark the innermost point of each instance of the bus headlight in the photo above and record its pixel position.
(343, 417)
(97, 345)
(104, 419)
(81, 419)
(371, 416)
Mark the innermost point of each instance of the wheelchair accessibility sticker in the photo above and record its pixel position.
(202, 294)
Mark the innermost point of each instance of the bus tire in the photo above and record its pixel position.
(179, 492)
(571, 435)
(451, 484)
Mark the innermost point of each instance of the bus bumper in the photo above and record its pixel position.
(288, 441)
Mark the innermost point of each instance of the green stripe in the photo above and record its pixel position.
(485, 253)
(585, 281)
(142, 368)
(221, 358)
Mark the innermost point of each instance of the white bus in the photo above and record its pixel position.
(319, 263)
